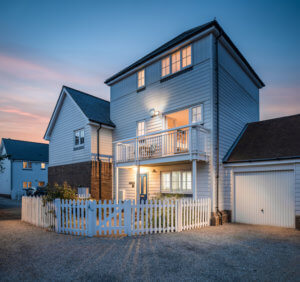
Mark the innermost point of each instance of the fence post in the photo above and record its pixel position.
(127, 218)
(92, 217)
(179, 215)
(57, 215)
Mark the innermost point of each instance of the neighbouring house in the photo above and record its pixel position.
(263, 168)
(80, 143)
(25, 166)
(177, 112)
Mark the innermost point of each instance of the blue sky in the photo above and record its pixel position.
(45, 44)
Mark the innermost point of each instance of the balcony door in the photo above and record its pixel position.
(175, 142)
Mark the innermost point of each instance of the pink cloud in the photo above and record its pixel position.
(22, 113)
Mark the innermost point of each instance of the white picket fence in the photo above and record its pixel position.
(34, 211)
(92, 218)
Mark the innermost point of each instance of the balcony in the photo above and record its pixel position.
(181, 143)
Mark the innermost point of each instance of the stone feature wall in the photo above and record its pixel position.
(84, 174)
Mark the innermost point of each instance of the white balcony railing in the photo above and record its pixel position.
(191, 139)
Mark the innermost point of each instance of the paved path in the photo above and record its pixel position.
(226, 253)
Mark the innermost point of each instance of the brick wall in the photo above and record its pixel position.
(85, 174)
(297, 222)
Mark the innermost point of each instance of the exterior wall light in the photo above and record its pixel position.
(153, 113)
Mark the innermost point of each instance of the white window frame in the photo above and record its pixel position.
(169, 67)
(43, 166)
(142, 79)
(171, 62)
(79, 141)
(180, 190)
(137, 128)
(201, 114)
(27, 165)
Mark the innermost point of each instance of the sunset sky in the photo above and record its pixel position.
(47, 44)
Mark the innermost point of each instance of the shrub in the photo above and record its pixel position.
(60, 192)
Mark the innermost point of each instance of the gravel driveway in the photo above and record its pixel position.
(229, 252)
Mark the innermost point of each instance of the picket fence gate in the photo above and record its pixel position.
(38, 213)
(92, 218)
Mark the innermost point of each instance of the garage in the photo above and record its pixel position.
(265, 197)
(263, 173)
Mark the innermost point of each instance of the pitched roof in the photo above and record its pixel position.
(181, 38)
(25, 150)
(272, 139)
(95, 109)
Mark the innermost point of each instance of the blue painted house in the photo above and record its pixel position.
(25, 166)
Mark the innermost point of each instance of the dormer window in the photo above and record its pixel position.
(179, 60)
(141, 78)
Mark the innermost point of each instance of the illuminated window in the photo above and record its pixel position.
(79, 137)
(27, 184)
(43, 166)
(166, 181)
(140, 128)
(186, 56)
(41, 183)
(165, 66)
(27, 165)
(176, 182)
(176, 61)
(197, 114)
(141, 78)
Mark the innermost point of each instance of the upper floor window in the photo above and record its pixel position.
(141, 78)
(197, 114)
(165, 66)
(43, 165)
(27, 165)
(140, 128)
(178, 60)
(27, 184)
(78, 137)
(186, 56)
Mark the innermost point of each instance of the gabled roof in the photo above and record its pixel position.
(181, 38)
(272, 139)
(25, 150)
(95, 109)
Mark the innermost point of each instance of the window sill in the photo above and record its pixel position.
(140, 89)
(176, 74)
(78, 148)
(27, 168)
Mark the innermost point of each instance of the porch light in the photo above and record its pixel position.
(153, 113)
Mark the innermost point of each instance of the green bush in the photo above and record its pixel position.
(60, 192)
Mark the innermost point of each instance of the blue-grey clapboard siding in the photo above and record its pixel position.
(33, 175)
(187, 89)
(61, 142)
(5, 177)
(297, 188)
(239, 104)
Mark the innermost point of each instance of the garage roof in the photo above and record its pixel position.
(272, 139)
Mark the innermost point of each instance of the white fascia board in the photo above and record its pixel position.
(263, 163)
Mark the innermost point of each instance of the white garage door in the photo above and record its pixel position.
(265, 198)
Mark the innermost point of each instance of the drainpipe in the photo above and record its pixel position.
(217, 175)
(99, 159)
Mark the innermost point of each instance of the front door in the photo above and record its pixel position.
(143, 187)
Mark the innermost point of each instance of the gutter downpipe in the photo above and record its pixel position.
(99, 159)
(217, 176)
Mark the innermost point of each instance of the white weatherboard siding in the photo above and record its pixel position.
(265, 197)
(34, 175)
(105, 140)
(61, 142)
(297, 188)
(238, 104)
(191, 88)
(5, 178)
